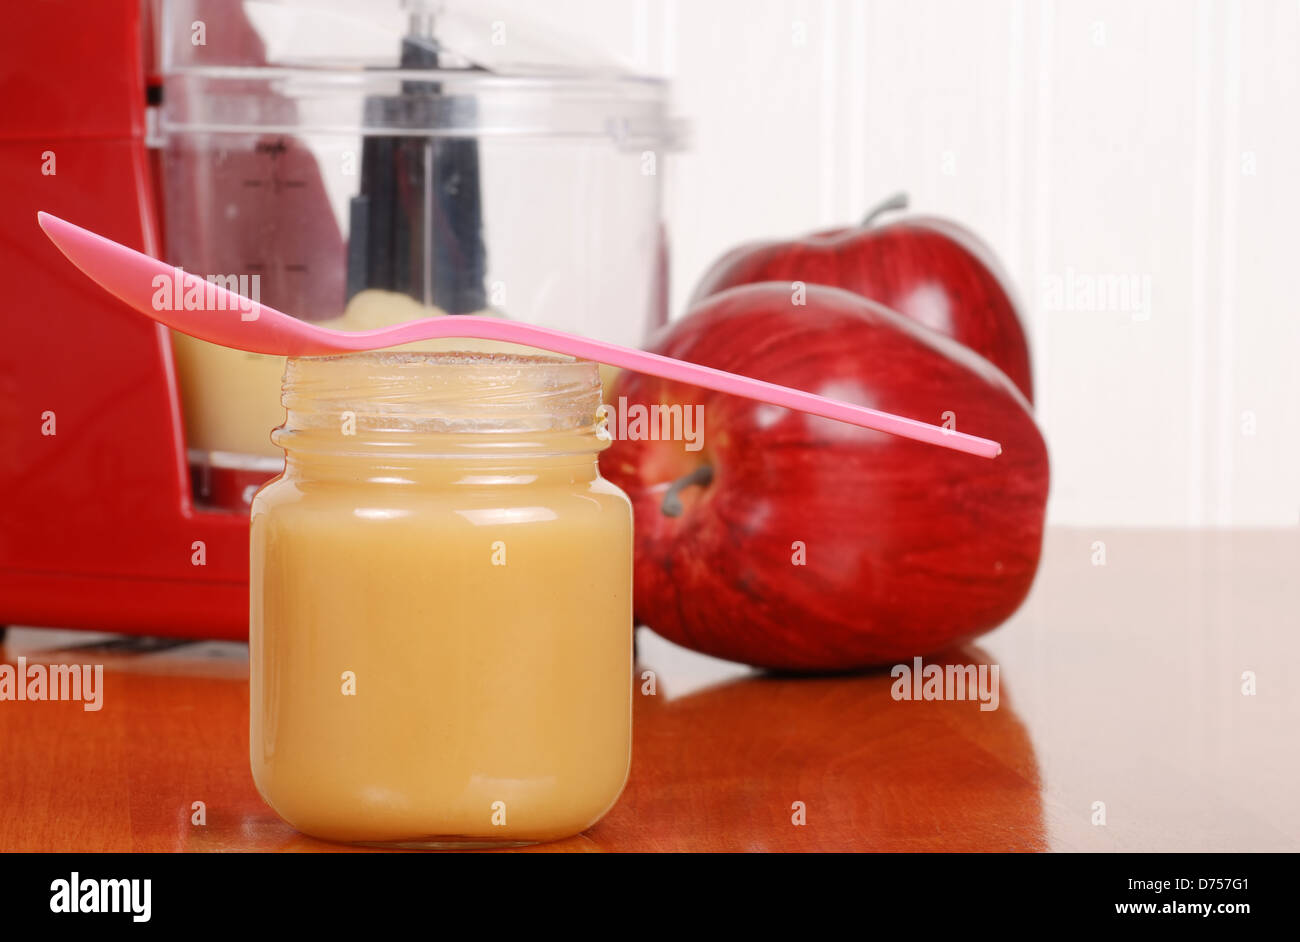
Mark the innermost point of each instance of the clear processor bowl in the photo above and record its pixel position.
(305, 158)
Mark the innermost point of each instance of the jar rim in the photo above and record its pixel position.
(446, 357)
(399, 395)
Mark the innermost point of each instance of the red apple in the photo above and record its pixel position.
(931, 270)
(796, 542)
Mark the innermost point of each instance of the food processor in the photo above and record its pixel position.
(358, 165)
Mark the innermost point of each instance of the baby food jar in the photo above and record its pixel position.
(441, 603)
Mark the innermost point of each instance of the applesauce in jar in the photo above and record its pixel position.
(441, 602)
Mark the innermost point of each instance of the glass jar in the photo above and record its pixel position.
(441, 602)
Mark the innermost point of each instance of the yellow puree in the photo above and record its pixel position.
(492, 702)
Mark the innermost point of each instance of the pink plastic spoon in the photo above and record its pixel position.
(232, 320)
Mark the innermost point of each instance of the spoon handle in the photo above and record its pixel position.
(642, 361)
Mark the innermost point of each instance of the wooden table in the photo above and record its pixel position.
(1120, 683)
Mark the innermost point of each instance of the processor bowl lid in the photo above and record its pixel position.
(398, 67)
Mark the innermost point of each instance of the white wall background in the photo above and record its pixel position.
(1155, 140)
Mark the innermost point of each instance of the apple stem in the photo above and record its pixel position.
(896, 202)
(672, 505)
